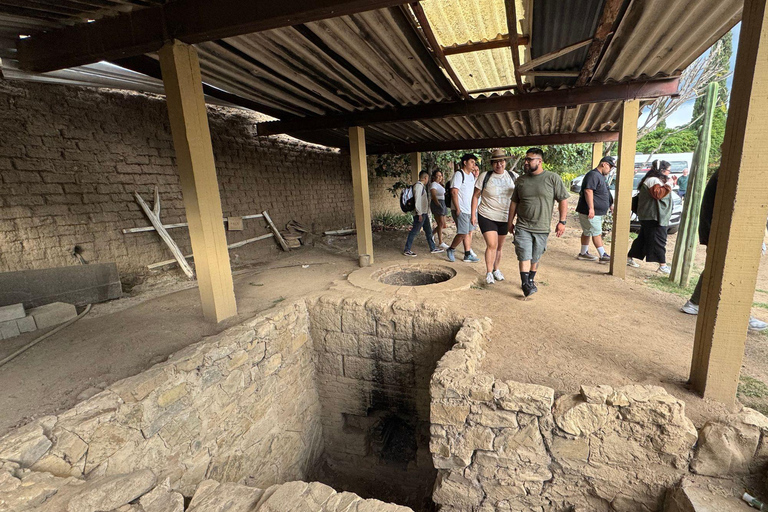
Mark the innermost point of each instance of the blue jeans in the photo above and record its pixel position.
(425, 223)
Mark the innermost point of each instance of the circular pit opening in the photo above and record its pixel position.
(400, 275)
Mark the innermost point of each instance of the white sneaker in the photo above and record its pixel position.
(472, 253)
(664, 269)
(497, 275)
(489, 278)
(632, 263)
(690, 308)
(444, 245)
(756, 325)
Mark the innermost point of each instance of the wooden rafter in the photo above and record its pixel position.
(191, 21)
(500, 142)
(512, 28)
(509, 103)
(548, 57)
(476, 46)
(418, 11)
(602, 34)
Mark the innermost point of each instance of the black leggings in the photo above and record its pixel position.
(651, 243)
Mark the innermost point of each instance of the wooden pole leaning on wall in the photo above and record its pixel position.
(197, 173)
(625, 175)
(733, 252)
(687, 237)
(415, 159)
(361, 195)
(597, 154)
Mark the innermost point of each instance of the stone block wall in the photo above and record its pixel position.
(512, 446)
(72, 157)
(238, 406)
(375, 359)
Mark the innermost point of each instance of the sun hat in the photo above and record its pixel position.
(498, 154)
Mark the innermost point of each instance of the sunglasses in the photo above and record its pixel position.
(528, 159)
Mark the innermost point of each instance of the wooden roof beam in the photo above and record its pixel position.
(191, 21)
(502, 142)
(476, 46)
(510, 103)
(512, 28)
(602, 34)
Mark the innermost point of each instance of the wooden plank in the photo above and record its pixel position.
(503, 142)
(277, 234)
(415, 160)
(145, 30)
(548, 57)
(180, 225)
(197, 173)
(234, 245)
(511, 12)
(625, 175)
(165, 236)
(597, 154)
(436, 48)
(361, 195)
(572, 97)
(733, 252)
(477, 46)
(602, 34)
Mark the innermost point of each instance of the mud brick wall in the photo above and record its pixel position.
(72, 157)
(375, 358)
(240, 406)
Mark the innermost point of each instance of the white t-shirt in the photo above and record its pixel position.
(496, 196)
(466, 188)
(439, 190)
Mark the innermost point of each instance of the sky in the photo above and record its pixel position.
(683, 114)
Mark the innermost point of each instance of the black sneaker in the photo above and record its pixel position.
(534, 288)
(526, 290)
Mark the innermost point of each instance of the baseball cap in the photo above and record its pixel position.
(609, 160)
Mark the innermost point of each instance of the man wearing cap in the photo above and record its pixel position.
(461, 190)
(495, 188)
(594, 201)
(535, 193)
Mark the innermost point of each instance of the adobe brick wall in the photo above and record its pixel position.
(71, 159)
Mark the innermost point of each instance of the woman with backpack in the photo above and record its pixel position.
(491, 215)
(654, 210)
(437, 206)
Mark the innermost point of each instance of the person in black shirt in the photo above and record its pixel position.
(594, 201)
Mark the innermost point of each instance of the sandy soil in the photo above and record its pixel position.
(583, 327)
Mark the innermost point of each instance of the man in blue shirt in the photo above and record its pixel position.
(595, 201)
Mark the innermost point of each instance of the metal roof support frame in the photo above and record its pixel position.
(512, 28)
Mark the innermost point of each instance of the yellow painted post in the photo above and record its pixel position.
(597, 154)
(741, 205)
(361, 195)
(415, 166)
(197, 173)
(625, 175)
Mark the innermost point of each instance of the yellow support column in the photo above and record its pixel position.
(622, 208)
(597, 153)
(415, 166)
(733, 253)
(361, 195)
(197, 172)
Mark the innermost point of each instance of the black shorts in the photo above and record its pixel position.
(502, 228)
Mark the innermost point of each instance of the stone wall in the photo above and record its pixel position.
(513, 446)
(72, 157)
(375, 360)
(238, 406)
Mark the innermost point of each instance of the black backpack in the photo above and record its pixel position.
(407, 199)
(448, 188)
(488, 176)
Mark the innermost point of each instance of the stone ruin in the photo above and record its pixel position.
(375, 396)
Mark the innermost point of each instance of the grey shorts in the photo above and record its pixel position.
(530, 246)
(591, 227)
(463, 223)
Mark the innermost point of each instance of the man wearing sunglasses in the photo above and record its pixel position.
(535, 193)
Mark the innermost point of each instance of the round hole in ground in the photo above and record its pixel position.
(417, 275)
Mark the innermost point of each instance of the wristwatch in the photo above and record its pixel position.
(561, 222)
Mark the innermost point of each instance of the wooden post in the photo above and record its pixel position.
(733, 252)
(597, 154)
(415, 166)
(361, 195)
(625, 175)
(687, 236)
(197, 172)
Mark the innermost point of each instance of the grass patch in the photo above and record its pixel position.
(278, 301)
(761, 305)
(752, 387)
(665, 285)
(761, 291)
(392, 220)
(632, 235)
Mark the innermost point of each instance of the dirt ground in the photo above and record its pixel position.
(583, 327)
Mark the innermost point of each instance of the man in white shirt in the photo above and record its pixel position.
(421, 216)
(462, 189)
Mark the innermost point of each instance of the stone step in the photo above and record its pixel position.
(688, 497)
